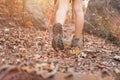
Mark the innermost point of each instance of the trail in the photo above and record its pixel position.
(21, 45)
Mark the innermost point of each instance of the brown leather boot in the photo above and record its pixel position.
(76, 46)
(57, 41)
(77, 43)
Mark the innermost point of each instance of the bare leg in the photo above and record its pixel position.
(57, 42)
(79, 17)
(62, 10)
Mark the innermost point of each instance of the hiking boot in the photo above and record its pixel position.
(76, 46)
(57, 42)
(77, 43)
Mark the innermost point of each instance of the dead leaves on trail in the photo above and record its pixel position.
(20, 45)
(41, 71)
(48, 71)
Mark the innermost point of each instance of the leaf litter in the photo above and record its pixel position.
(21, 46)
(21, 57)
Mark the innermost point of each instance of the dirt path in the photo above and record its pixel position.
(22, 46)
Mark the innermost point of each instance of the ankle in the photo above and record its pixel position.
(78, 37)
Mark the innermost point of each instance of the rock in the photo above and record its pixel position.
(103, 19)
(117, 58)
(117, 70)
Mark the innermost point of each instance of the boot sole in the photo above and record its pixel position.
(57, 42)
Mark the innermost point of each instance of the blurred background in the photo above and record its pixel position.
(102, 17)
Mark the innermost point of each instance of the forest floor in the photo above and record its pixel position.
(21, 46)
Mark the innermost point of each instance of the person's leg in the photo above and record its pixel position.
(62, 10)
(79, 17)
(57, 42)
(77, 41)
